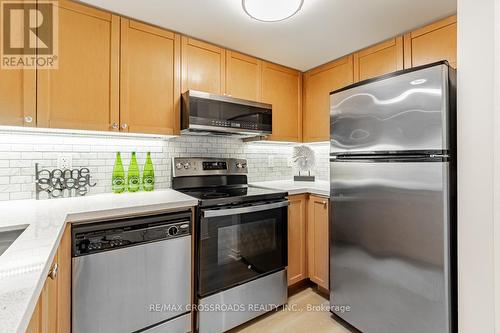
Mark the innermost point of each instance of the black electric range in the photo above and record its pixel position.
(215, 181)
(241, 237)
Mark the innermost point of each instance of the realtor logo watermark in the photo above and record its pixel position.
(29, 34)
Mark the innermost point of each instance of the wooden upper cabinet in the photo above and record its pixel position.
(318, 83)
(83, 92)
(379, 59)
(435, 42)
(281, 87)
(297, 269)
(18, 97)
(150, 79)
(203, 66)
(17, 93)
(318, 240)
(243, 76)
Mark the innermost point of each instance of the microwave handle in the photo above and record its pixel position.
(243, 210)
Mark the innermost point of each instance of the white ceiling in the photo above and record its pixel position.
(322, 31)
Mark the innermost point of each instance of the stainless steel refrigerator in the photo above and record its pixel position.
(393, 202)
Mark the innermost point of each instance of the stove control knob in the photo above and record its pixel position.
(179, 166)
(241, 165)
(186, 165)
(172, 231)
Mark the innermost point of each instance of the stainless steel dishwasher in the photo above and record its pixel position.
(132, 274)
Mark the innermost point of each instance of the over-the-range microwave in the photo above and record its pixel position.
(210, 114)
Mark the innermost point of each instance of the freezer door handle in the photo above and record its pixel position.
(393, 158)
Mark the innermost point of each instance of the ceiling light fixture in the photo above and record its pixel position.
(271, 10)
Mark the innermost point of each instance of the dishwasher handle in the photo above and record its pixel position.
(243, 210)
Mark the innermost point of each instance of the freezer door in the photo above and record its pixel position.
(398, 113)
(390, 246)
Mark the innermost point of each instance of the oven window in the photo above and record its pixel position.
(240, 241)
(237, 248)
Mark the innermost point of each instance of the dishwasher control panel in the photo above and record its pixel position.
(100, 237)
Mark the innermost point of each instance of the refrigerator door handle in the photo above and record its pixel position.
(392, 158)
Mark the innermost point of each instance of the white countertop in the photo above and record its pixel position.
(319, 187)
(25, 264)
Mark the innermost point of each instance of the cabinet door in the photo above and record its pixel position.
(35, 324)
(18, 97)
(297, 239)
(203, 66)
(282, 87)
(49, 301)
(437, 41)
(318, 83)
(243, 76)
(317, 241)
(17, 94)
(149, 81)
(64, 282)
(379, 59)
(83, 92)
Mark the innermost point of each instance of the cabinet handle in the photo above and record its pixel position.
(53, 271)
(124, 126)
(28, 119)
(115, 126)
(325, 204)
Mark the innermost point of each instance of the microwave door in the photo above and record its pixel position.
(223, 114)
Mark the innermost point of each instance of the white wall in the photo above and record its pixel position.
(497, 165)
(476, 172)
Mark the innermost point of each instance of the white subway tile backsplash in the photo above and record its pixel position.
(20, 195)
(20, 152)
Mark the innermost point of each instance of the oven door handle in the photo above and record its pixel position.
(243, 210)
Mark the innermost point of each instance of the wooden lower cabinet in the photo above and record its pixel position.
(297, 269)
(318, 241)
(308, 239)
(52, 313)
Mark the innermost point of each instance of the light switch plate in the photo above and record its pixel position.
(64, 161)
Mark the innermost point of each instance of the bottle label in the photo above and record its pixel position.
(118, 184)
(149, 183)
(133, 184)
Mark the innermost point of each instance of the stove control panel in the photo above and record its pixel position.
(214, 165)
(208, 166)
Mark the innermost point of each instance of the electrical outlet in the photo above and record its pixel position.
(270, 161)
(64, 162)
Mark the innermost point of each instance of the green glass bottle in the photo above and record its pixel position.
(118, 178)
(133, 178)
(148, 175)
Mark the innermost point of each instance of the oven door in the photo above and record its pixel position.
(239, 244)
